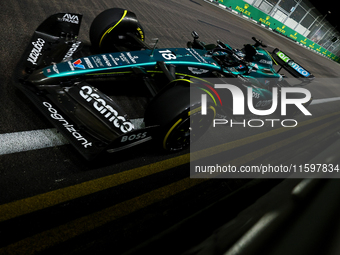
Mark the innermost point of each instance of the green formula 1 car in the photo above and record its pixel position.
(78, 87)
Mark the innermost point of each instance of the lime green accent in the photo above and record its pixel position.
(181, 80)
(271, 57)
(206, 91)
(283, 56)
(213, 108)
(110, 29)
(191, 76)
(180, 120)
(169, 132)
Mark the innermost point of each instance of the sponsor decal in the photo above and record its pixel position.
(114, 60)
(244, 10)
(36, 51)
(106, 110)
(283, 56)
(293, 36)
(263, 103)
(196, 55)
(267, 62)
(88, 62)
(140, 31)
(265, 21)
(55, 68)
(255, 95)
(70, 18)
(72, 50)
(281, 29)
(106, 60)
(70, 65)
(97, 61)
(69, 127)
(78, 64)
(298, 68)
(123, 58)
(304, 41)
(132, 58)
(133, 137)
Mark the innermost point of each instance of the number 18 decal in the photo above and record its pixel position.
(167, 54)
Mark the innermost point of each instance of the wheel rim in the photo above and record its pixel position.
(188, 129)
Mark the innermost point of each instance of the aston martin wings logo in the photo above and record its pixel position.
(196, 70)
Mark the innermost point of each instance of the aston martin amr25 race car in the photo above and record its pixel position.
(75, 85)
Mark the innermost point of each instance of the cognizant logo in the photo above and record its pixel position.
(238, 106)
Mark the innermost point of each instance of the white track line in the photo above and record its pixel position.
(324, 100)
(30, 140)
(45, 138)
(38, 139)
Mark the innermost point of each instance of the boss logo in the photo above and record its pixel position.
(134, 137)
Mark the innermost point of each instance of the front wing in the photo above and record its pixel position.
(92, 123)
(85, 140)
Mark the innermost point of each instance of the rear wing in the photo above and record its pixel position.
(291, 66)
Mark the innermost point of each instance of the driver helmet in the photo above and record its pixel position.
(249, 52)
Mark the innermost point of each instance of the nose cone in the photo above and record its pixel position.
(38, 78)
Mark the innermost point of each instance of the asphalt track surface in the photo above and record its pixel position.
(54, 202)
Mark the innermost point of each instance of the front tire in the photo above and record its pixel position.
(108, 31)
(188, 128)
(177, 111)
